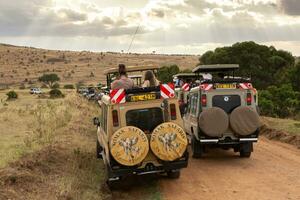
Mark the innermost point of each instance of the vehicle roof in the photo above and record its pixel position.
(215, 67)
(131, 69)
(185, 75)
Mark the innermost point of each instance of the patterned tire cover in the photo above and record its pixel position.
(244, 120)
(214, 122)
(168, 141)
(129, 146)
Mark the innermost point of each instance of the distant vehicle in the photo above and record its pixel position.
(35, 91)
(222, 112)
(183, 83)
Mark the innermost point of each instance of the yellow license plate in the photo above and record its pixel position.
(143, 97)
(225, 86)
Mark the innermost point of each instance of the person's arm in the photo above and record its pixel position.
(146, 83)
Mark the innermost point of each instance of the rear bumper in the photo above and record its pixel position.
(218, 141)
(118, 171)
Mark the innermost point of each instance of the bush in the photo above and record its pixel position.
(22, 86)
(56, 93)
(69, 86)
(55, 86)
(280, 101)
(12, 95)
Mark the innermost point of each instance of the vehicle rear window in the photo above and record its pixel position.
(145, 119)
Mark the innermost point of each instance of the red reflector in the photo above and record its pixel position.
(203, 100)
(173, 111)
(115, 118)
(249, 99)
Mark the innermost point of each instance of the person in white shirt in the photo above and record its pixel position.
(150, 80)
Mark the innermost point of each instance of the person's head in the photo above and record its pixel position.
(122, 70)
(149, 76)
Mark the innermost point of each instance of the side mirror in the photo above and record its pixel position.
(96, 121)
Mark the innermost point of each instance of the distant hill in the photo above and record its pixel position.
(26, 64)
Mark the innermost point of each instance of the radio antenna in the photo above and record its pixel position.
(137, 28)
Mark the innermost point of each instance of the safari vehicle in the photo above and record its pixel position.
(222, 112)
(35, 91)
(184, 82)
(140, 131)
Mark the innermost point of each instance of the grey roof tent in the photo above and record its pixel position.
(215, 68)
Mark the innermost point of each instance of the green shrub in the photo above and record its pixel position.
(55, 86)
(11, 95)
(56, 93)
(69, 86)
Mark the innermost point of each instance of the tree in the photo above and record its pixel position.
(266, 65)
(49, 79)
(295, 77)
(165, 74)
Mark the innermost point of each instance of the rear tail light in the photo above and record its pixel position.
(203, 100)
(249, 99)
(173, 111)
(115, 118)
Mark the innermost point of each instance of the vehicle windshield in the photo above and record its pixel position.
(145, 119)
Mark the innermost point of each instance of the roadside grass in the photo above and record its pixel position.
(65, 125)
(287, 125)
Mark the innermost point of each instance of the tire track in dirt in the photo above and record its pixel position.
(272, 172)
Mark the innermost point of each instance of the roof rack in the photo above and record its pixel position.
(215, 68)
(131, 69)
(185, 75)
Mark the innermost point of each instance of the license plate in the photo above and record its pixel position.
(225, 86)
(143, 97)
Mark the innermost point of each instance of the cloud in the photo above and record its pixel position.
(163, 23)
(72, 15)
(290, 7)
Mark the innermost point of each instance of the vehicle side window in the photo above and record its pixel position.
(194, 104)
(104, 118)
(189, 104)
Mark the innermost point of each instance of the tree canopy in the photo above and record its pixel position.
(265, 65)
(49, 79)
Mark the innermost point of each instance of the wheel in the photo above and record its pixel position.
(99, 150)
(246, 150)
(245, 154)
(174, 174)
(197, 148)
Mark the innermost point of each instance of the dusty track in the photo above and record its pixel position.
(272, 172)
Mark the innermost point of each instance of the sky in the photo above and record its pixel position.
(163, 26)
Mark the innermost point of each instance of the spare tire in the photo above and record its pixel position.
(244, 120)
(214, 122)
(129, 146)
(168, 141)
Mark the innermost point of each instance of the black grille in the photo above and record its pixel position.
(227, 102)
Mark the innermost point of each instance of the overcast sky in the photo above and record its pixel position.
(165, 26)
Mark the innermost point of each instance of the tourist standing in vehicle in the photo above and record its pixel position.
(150, 80)
(123, 82)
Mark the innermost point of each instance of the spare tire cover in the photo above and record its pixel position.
(129, 146)
(168, 141)
(244, 120)
(213, 121)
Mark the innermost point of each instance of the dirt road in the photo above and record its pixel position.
(272, 172)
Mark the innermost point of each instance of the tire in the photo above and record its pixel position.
(197, 148)
(99, 150)
(173, 174)
(245, 154)
(246, 150)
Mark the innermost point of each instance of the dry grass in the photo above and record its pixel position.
(48, 151)
(20, 64)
